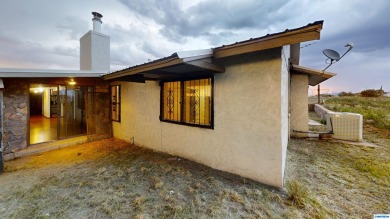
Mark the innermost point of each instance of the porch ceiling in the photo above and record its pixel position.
(315, 76)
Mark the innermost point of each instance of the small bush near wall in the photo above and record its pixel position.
(370, 93)
(346, 94)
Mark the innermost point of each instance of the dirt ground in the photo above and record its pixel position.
(113, 179)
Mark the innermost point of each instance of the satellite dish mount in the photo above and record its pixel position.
(335, 56)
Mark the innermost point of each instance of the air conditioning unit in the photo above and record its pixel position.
(345, 126)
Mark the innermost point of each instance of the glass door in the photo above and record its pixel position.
(71, 111)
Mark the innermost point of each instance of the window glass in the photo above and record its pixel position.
(197, 101)
(187, 102)
(172, 100)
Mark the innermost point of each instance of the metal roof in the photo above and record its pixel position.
(287, 37)
(198, 62)
(47, 73)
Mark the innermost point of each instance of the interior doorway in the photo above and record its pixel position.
(57, 112)
(43, 113)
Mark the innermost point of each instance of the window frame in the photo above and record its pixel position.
(182, 92)
(118, 104)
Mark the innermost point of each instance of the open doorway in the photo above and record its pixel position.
(43, 113)
(57, 112)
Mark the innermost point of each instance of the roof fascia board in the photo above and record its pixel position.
(267, 43)
(144, 68)
(277, 40)
(198, 61)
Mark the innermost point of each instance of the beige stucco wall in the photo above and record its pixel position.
(299, 104)
(248, 139)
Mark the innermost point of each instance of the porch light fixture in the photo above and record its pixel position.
(72, 82)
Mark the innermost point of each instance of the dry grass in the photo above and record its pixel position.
(297, 194)
(112, 179)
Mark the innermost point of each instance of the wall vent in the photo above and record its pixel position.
(346, 126)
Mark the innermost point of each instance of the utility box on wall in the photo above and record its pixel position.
(346, 126)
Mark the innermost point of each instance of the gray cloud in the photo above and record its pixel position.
(73, 31)
(29, 53)
(151, 49)
(209, 19)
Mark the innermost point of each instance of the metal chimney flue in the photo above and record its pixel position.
(97, 21)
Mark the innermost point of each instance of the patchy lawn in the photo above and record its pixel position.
(112, 179)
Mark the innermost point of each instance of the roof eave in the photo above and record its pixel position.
(47, 73)
(197, 60)
(308, 33)
(315, 76)
(143, 68)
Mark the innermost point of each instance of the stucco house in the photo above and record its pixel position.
(230, 107)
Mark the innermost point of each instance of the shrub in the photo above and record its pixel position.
(370, 93)
(346, 94)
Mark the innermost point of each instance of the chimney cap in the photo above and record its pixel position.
(97, 15)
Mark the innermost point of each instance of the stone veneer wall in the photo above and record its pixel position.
(15, 115)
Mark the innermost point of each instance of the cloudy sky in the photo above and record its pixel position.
(45, 33)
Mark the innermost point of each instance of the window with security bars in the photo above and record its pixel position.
(188, 102)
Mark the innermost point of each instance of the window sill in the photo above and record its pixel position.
(188, 124)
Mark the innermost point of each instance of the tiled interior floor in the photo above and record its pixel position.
(42, 129)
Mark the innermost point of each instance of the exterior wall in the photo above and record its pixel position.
(285, 123)
(15, 123)
(248, 139)
(95, 51)
(98, 122)
(299, 104)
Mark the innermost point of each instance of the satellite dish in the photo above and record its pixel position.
(335, 56)
(331, 54)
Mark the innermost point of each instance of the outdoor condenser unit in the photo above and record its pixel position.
(346, 126)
